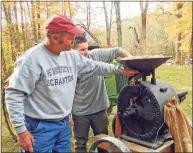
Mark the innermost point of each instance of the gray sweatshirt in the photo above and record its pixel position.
(42, 85)
(91, 94)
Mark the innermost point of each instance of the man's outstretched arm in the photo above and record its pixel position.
(88, 67)
(109, 54)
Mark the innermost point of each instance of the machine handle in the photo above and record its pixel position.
(163, 89)
(182, 95)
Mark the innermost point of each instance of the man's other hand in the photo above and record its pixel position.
(126, 55)
(71, 121)
(26, 141)
(129, 72)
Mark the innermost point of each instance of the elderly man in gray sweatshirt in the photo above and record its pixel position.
(91, 99)
(41, 89)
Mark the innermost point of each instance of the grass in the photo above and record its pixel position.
(179, 77)
(7, 143)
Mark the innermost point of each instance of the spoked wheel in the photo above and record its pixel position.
(111, 145)
(6, 115)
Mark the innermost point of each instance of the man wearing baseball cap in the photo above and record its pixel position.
(41, 89)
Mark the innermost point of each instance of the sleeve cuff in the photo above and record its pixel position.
(120, 69)
(21, 129)
(122, 51)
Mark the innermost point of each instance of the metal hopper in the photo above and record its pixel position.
(144, 64)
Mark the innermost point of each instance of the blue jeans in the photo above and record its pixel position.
(49, 136)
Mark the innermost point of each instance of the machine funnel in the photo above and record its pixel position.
(144, 64)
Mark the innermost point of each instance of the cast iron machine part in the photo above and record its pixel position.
(141, 107)
(112, 142)
(142, 120)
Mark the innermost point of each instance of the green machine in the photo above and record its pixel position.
(114, 84)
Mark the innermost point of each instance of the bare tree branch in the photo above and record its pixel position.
(163, 12)
(136, 35)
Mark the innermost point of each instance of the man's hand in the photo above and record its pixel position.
(26, 141)
(129, 72)
(126, 55)
(71, 121)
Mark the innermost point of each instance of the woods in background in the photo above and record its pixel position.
(165, 31)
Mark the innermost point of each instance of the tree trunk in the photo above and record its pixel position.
(190, 50)
(62, 7)
(33, 21)
(118, 20)
(16, 36)
(88, 17)
(16, 18)
(179, 36)
(107, 25)
(137, 42)
(38, 18)
(27, 31)
(22, 26)
(31, 24)
(142, 40)
(3, 64)
(29, 11)
(70, 11)
(110, 23)
(179, 53)
(47, 13)
(7, 11)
